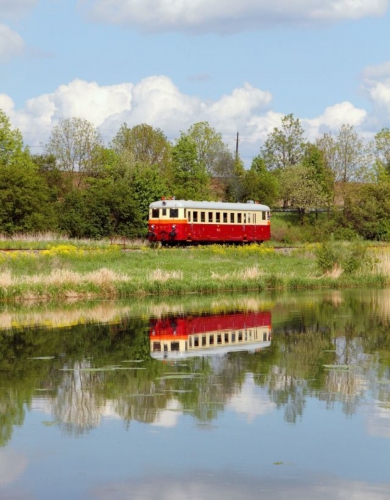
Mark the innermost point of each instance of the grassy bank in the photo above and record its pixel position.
(67, 271)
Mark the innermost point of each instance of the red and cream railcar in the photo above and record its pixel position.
(174, 222)
(187, 336)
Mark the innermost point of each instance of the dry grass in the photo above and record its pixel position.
(381, 264)
(249, 273)
(163, 276)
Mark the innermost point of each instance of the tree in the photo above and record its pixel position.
(299, 185)
(190, 177)
(314, 158)
(260, 184)
(11, 143)
(235, 188)
(24, 196)
(346, 155)
(367, 210)
(381, 151)
(102, 209)
(211, 150)
(143, 145)
(75, 143)
(284, 146)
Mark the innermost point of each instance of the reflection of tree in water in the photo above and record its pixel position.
(77, 404)
(341, 332)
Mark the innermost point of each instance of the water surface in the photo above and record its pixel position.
(257, 396)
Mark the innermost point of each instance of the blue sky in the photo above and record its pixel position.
(170, 63)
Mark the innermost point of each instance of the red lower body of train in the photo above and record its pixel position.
(175, 232)
(182, 326)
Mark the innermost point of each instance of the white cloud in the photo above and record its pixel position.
(11, 44)
(12, 465)
(170, 416)
(227, 16)
(333, 118)
(376, 86)
(157, 101)
(251, 401)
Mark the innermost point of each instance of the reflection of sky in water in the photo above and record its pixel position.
(248, 452)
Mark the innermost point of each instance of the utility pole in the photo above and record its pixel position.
(237, 141)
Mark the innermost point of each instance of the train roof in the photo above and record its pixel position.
(209, 205)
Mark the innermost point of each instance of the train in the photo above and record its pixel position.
(182, 222)
(177, 337)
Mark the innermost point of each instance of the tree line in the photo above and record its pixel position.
(84, 188)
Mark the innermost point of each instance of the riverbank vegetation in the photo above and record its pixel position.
(77, 272)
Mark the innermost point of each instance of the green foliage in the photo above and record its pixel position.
(285, 145)
(328, 257)
(24, 194)
(143, 146)
(260, 184)
(367, 211)
(106, 208)
(75, 143)
(382, 152)
(191, 180)
(332, 257)
(300, 187)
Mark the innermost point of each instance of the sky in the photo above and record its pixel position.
(241, 66)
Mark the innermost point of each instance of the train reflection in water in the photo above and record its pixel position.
(207, 335)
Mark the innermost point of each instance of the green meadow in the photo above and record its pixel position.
(76, 270)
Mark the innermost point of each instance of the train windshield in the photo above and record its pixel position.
(155, 213)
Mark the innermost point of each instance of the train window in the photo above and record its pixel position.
(175, 346)
(226, 338)
(196, 341)
(211, 340)
(194, 216)
(238, 218)
(232, 218)
(233, 337)
(264, 336)
(204, 341)
(189, 216)
(244, 218)
(155, 213)
(174, 212)
(249, 218)
(240, 336)
(211, 216)
(164, 211)
(263, 215)
(217, 217)
(156, 347)
(225, 217)
(219, 339)
(202, 216)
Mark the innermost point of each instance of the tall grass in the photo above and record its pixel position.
(65, 271)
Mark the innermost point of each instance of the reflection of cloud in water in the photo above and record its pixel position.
(378, 422)
(12, 465)
(252, 401)
(229, 485)
(170, 416)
